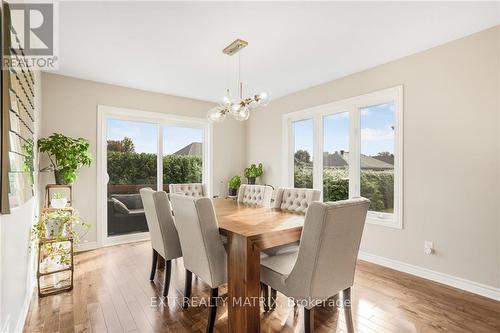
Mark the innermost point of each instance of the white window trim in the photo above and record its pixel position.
(353, 106)
(104, 113)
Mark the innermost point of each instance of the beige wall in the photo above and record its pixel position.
(451, 153)
(70, 107)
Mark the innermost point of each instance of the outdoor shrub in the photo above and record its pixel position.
(140, 168)
(378, 186)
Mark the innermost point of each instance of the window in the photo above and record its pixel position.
(336, 157)
(357, 148)
(377, 157)
(303, 154)
(132, 150)
(138, 149)
(182, 155)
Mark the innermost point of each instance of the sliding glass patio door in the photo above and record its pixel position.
(132, 153)
(143, 149)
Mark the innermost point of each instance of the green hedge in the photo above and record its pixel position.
(140, 168)
(378, 186)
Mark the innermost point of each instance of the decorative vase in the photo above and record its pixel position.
(251, 180)
(233, 192)
(59, 177)
(58, 203)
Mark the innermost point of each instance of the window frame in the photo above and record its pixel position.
(353, 106)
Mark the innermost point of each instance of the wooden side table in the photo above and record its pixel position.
(54, 281)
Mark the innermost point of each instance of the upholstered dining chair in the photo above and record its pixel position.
(196, 190)
(203, 251)
(325, 263)
(258, 195)
(295, 200)
(162, 231)
(292, 200)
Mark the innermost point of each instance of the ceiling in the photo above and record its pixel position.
(176, 47)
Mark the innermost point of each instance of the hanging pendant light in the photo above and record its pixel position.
(240, 108)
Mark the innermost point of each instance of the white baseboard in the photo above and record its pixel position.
(452, 281)
(86, 246)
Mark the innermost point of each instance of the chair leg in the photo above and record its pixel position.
(212, 309)
(265, 289)
(168, 270)
(347, 309)
(274, 296)
(153, 265)
(308, 320)
(187, 289)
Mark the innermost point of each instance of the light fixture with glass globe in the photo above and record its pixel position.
(239, 109)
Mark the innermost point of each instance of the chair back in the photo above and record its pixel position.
(328, 248)
(296, 200)
(162, 231)
(202, 248)
(259, 195)
(196, 190)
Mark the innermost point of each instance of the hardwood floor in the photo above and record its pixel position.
(113, 294)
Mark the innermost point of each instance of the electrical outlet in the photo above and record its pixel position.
(428, 247)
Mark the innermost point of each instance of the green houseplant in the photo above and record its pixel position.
(66, 156)
(233, 185)
(253, 172)
(57, 225)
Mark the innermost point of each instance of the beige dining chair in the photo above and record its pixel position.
(202, 248)
(293, 200)
(196, 190)
(162, 231)
(296, 200)
(258, 195)
(325, 263)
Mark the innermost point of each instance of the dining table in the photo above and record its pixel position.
(250, 230)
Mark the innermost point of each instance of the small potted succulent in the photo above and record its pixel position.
(58, 200)
(253, 172)
(233, 185)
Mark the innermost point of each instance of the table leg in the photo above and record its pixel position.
(243, 285)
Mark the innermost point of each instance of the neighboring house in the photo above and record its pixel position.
(340, 160)
(193, 149)
(385, 158)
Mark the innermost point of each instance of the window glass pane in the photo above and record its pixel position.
(336, 157)
(182, 155)
(303, 153)
(377, 156)
(131, 165)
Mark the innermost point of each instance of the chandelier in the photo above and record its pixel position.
(239, 108)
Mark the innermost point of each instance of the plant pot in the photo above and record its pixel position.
(251, 180)
(59, 177)
(54, 228)
(58, 203)
(233, 192)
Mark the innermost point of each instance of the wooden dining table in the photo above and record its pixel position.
(249, 230)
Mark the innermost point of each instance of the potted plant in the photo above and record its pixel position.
(253, 172)
(233, 185)
(66, 156)
(58, 200)
(57, 225)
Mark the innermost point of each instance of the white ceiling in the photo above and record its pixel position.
(175, 48)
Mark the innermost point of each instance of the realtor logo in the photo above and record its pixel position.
(33, 24)
(33, 34)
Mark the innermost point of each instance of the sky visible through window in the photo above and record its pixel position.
(377, 134)
(144, 135)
